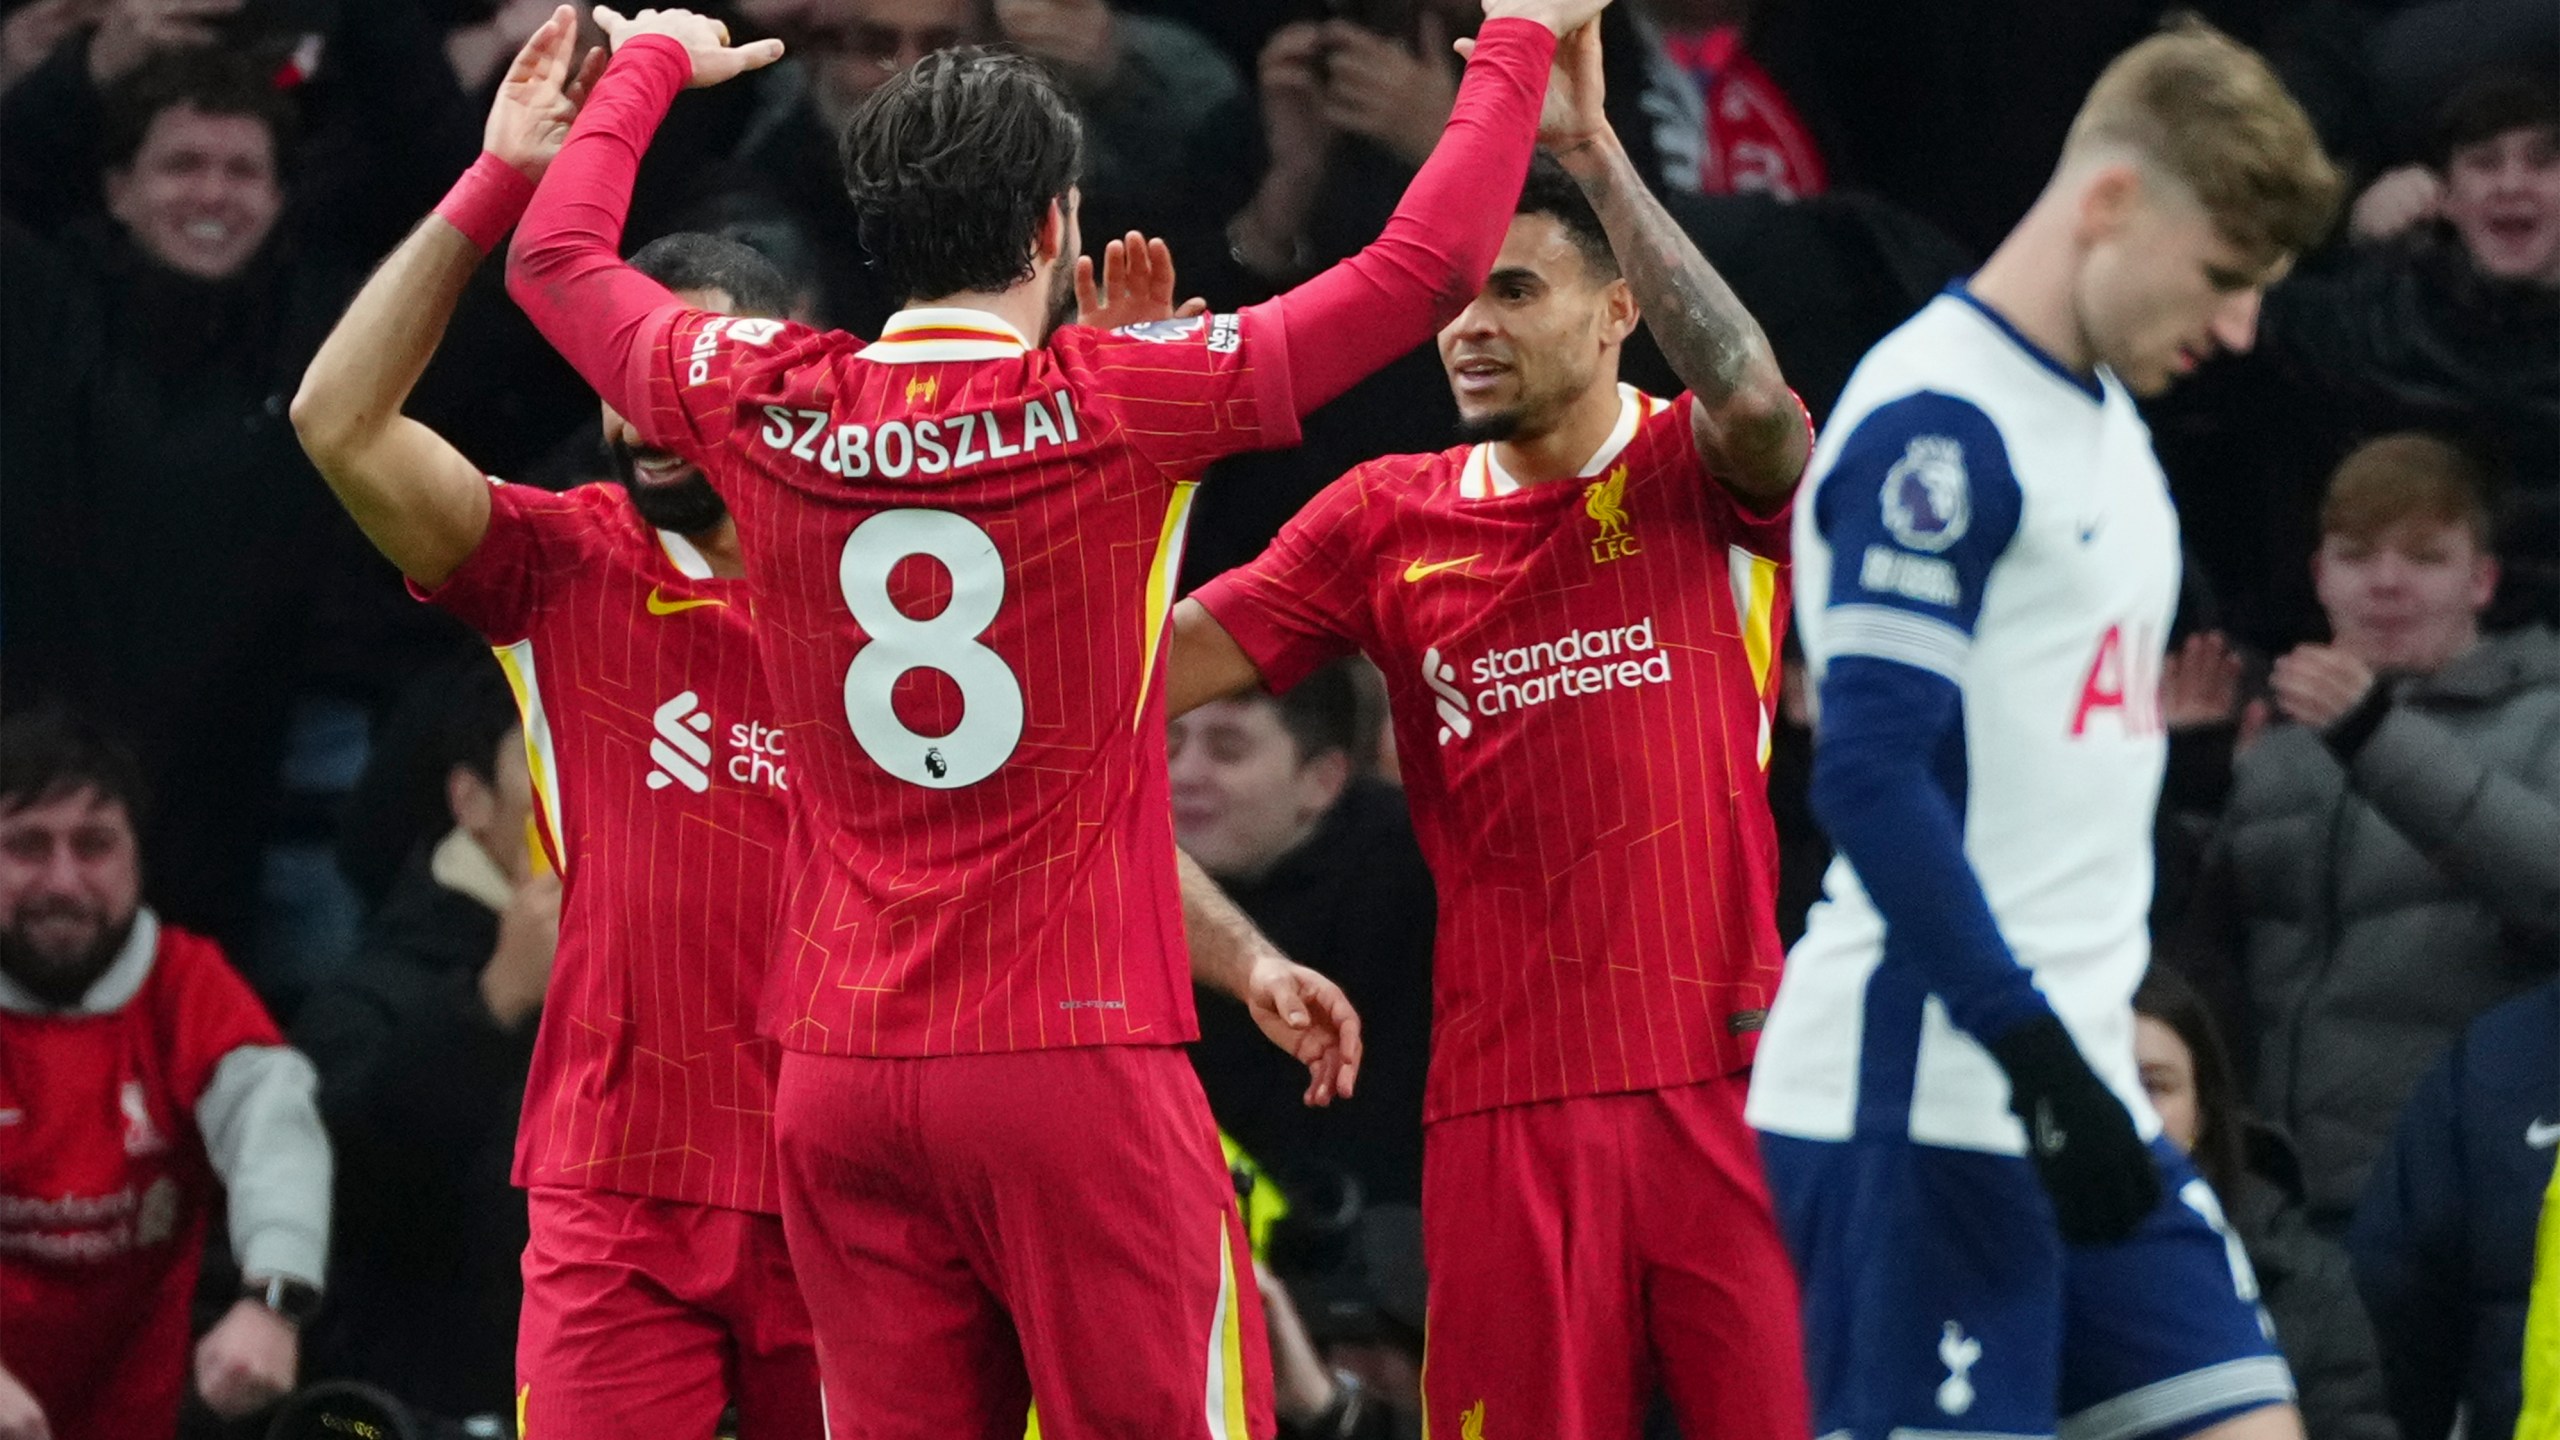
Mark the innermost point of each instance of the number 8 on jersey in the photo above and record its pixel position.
(990, 694)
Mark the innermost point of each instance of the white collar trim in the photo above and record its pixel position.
(1483, 476)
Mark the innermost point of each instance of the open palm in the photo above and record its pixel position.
(540, 96)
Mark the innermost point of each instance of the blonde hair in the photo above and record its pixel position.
(2205, 109)
(2405, 476)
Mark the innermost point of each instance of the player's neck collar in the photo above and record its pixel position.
(113, 989)
(1483, 476)
(945, 332)
(2088, 385)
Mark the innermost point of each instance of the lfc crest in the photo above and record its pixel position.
(1605, 501)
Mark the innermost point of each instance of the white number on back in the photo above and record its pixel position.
(990, 694)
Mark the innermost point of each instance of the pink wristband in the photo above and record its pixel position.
(487, 201)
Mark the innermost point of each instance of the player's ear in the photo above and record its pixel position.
(472, 803)
(1620, 314)
(2108, 200)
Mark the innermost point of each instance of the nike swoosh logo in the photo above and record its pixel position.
(1417, 569)
(12, 1117)
(661, 605)
(2542, 1134)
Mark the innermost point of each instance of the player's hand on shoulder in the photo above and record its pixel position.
(1561, 16)
(248, 1361)
(540, 96)
(21, 1418)
(704, 39)
(2087, 1154)
(1136, 286)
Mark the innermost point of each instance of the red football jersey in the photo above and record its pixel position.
(963, 551)
(659, 783)
(1582, 675)
(105, 1188)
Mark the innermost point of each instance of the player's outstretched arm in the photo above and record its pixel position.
(1749, 429)
(1351, 320)
(422, 503)
(565, 268)
(1300, 1010)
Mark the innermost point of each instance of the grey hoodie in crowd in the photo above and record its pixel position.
(2373, 904)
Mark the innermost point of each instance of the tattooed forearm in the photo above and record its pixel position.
(1748, 425)
(1713, 344)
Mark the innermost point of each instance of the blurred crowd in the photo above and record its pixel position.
(2353, 1020)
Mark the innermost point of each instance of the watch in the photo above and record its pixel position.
(291, 1300)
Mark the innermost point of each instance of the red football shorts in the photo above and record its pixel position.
(975, 1230)
(1584, 1251)
(644, 1319)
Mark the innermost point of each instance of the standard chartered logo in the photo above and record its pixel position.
(680, 749)
(1574, 664)
(1455, 723)
(683, 755)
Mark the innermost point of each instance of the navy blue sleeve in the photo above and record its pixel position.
(2410, 1258)
(1916, 508)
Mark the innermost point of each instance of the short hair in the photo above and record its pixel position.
(206, 78)
(2403, 476)
(2222, 1120)
(952, 165)
(690, 260)
(50, 753)
(2205, 109)
(1322, 712)
(2489, 106)
(1550, 191)
(475, 712)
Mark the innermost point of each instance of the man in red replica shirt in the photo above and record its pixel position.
(1578, 617)
(999, 1176)
(657, 1286)
(141, 1083)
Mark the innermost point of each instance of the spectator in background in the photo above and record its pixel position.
(2303, 1281)
(2389, 863)
(164, 549)
(1142, 84)
(423, 1046)
(2444, 1242)
(142, 1087)
(2431, 317)
(2446, 313)
(1268, 798)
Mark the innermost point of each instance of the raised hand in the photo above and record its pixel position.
(1374, 86)
(705, 40)
(1077, 36)
(540, 95)
(2200, 683)
(1562, 16)
(1291, 78)
(135, 30)
(2316, 685)
(1136, 287)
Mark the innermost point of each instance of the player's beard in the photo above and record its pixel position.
(688, 506)
(1062, 294)
(53, 977)
(1490, 429)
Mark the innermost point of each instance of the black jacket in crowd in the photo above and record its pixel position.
(421, 1088)
(1354, 901)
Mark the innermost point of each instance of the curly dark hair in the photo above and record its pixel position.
(953, 164)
